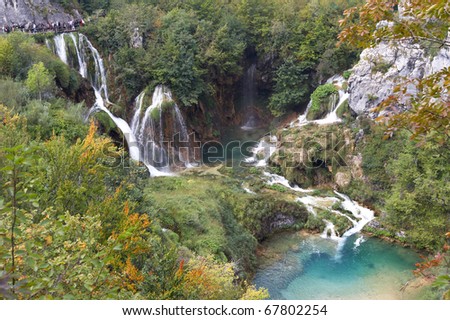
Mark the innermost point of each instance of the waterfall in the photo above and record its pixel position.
(135, 122)
(263, 151)
(150, 129)
(334, 105)
(48, 44)
(362, 216)
(277, 179)
(86, 53)
(249, 95)
(82, 67)
(60, 46)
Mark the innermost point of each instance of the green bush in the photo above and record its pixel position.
(320, 101)
(346, 74)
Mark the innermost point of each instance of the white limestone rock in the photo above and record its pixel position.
(381, 68)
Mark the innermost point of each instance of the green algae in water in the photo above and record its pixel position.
(374, 269)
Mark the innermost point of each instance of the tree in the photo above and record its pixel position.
(291, 87)
(39, 79)
(424, 22)
(6, 56)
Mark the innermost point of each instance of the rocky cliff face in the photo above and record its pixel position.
(32, 11)
(383, 67)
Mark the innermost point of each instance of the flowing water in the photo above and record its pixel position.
(249, 97)
(148, 125)
(335, 102)
(145, 137)
(330, 266)
(301, 266)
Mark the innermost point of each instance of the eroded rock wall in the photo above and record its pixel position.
(386, 65)
(33, 11)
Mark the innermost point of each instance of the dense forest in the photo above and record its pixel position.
(80, 220)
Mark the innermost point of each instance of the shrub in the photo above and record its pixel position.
(320, 101)
(346, 74)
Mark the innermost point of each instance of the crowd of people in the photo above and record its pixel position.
(32, 27)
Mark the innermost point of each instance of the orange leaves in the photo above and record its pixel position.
(93, 148)
(359, 23)
(133, 276)
(428, 264)
(180, 270)
(428, 109)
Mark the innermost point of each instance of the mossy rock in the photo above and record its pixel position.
(323, 101)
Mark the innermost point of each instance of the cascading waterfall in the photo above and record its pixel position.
(149, 129)
(87, 53)
(360, 215)
(82, 67)
(334, 105)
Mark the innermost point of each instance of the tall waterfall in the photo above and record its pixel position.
(60, 46)
(249, 97)
(145, 137)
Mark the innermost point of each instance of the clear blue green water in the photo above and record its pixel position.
(296, 266)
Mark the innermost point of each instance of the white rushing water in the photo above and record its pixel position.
(87, 52)
(335, 102)
(263, 151)
(361, 217)
(149, 126)
(277, 179)
(60, 46)
(249, 97)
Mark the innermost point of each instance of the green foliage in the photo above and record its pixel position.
(346, 74)
(39, 80)
(410, 185)
(6, 57)
(179, 56)
(420, 192)
(426, 23)
(199, 212)
(376, 153)
(67, 235)
(198, 48)
(290, 89)
(277, 187)
(13, 94)
(314, 223)
(320, 101)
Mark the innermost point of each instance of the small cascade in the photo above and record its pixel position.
(249, 97)
(361, 215)
(263, 151)
(277, 179)
(358, 242)
(247, 190)
(335, 102)
(135, 122)
(329, 231)
(48, 44)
